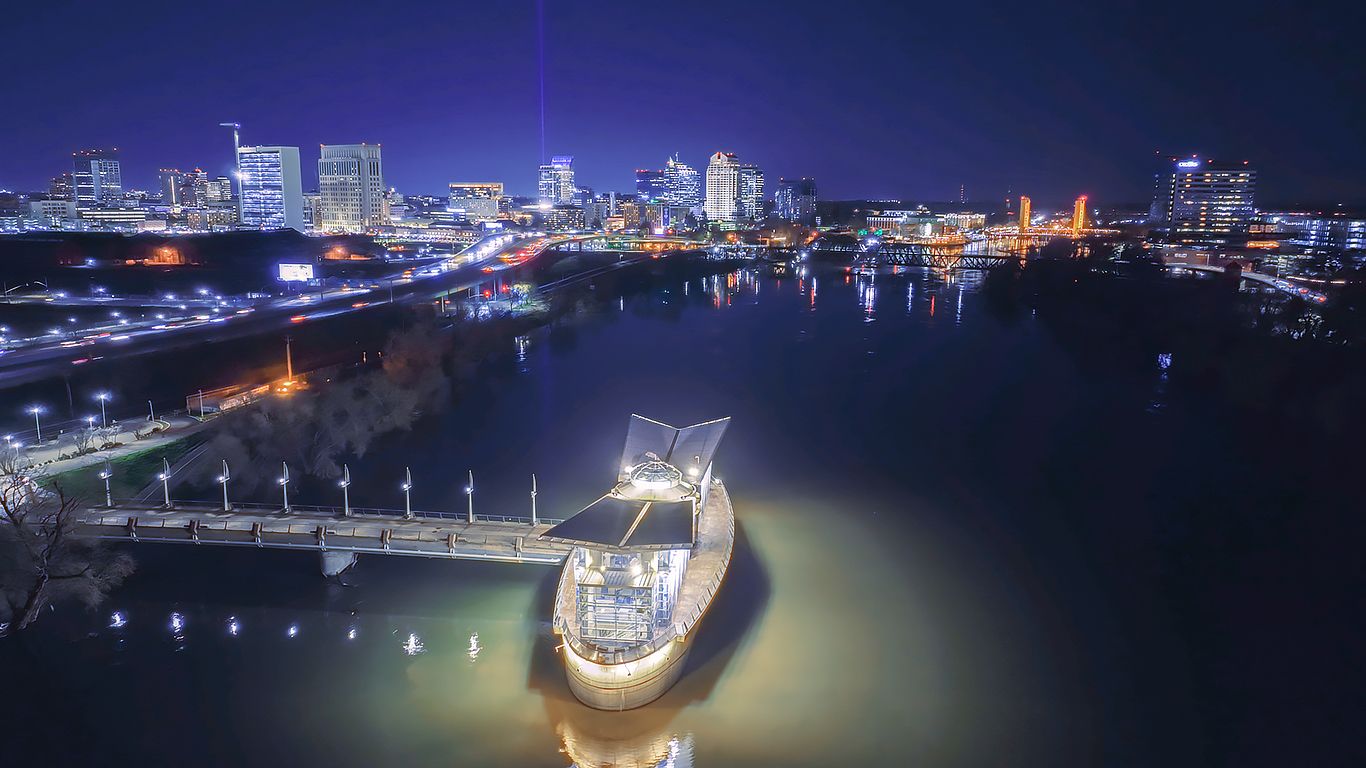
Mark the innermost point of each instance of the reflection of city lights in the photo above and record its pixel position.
(177, 622)
(233, 626)
(293, 630)
(413, 645)
(475, 647)
(351, 633)
(117, 620)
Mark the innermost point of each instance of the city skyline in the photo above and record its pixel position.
(1097, 113)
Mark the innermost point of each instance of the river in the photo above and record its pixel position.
(946, 557)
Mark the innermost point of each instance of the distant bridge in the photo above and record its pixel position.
(1271, 281)
(622, 242)
(871, 254)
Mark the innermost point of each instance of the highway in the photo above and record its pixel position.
(472, 266)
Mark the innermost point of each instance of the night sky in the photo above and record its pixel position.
(874, 100)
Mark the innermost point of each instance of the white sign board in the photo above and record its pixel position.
(296, 272)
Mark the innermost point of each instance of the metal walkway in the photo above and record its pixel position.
(325, 529)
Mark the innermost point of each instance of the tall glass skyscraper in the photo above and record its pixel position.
(555, 182)
(751, 192)
(684, 184)
(795, 200)
(272, 189)
(96, 177)
(651, 186)
(1197, 201)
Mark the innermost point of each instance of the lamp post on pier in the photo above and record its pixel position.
(223, 481)
(469, 495)
(283, 480)
(105, 475)
(407, 493)
(533, 499)
(345, 484)
(165, 478)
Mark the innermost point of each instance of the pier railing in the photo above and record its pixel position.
(257, 508)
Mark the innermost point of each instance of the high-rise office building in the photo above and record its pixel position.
(723, 188)
(795, 200)
(651, 186)
(351, 185)
(60, 188)
(555, 183)
(1205, 201)
(475, 201)
(1026, 211)
(217, 190)
(684, 184)
(272, 189)
(95, 176)
(751, 192)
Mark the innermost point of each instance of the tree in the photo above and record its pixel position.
(41, 559)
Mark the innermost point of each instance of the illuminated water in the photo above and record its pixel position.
(945, 560)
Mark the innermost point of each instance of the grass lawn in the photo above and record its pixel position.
(131, 473)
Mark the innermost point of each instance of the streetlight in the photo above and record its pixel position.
(165, 478)
(105, 475)
(469, 494)
(223, 481)
(407, 494)
(102, 397)
(283, 480)
(533, 499)
(345, 484)
(37, 425)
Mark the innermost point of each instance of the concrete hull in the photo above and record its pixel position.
(626, 685)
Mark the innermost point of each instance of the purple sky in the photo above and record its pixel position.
(871, 99)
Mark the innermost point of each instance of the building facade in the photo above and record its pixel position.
(1203, 201)
(475, 201)
(751, 201)
(723, 188)
(272, 188)
(351, 188)
(651, 186)
(795, 200)
(96, 177)
(555, 182)
(684, 184)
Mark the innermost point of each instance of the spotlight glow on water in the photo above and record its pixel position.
(413, 645)
(117, 620)
(293, 630)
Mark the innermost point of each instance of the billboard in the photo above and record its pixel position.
(296, 272)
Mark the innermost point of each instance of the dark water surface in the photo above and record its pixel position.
(961, 544)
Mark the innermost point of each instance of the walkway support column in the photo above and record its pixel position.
(335, 563)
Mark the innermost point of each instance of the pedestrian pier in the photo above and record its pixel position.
(339, 538)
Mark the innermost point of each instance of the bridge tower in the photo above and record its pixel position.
(1025, 213)
(1079, 216)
